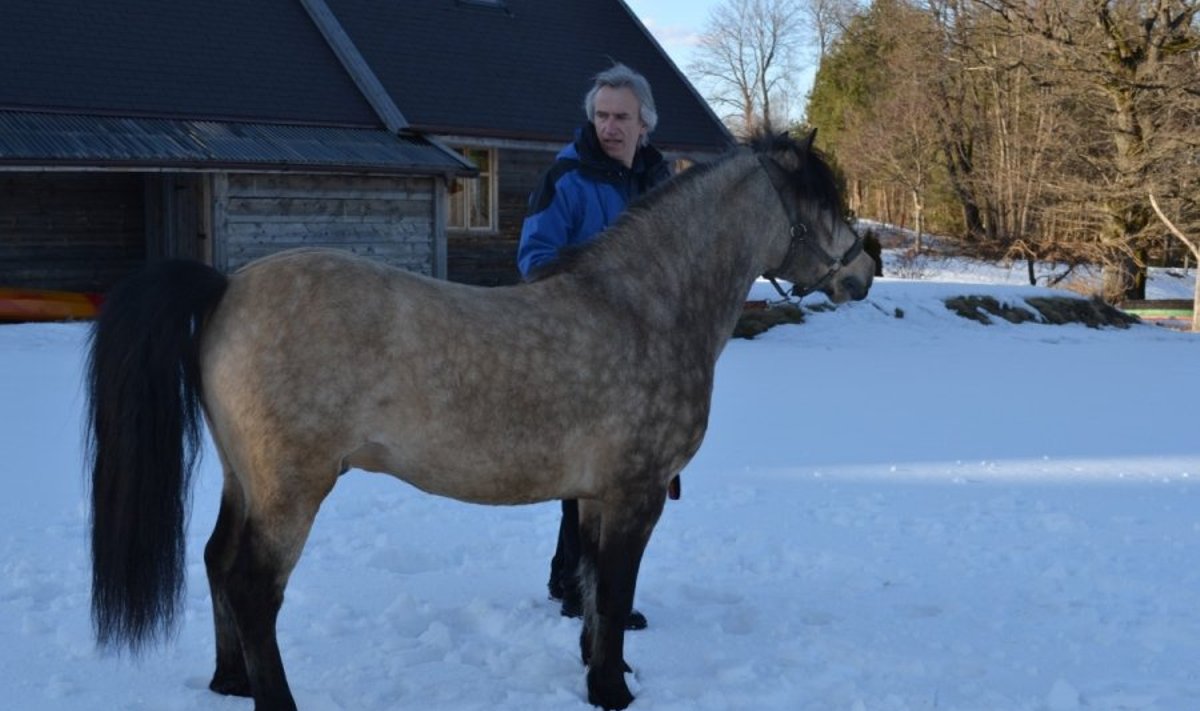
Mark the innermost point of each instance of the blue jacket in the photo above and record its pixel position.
(580, 196)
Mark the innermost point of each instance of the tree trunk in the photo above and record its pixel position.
(958, 170)
(1196, 308)
(1123, 278)
(1124, 272)
(918, 219)
(1193, 248)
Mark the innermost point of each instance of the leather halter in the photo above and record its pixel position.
(799, 236)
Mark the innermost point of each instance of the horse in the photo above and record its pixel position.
(592, 382)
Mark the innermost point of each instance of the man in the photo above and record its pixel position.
(591, 182)
(593, 179)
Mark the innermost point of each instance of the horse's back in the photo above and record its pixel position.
(278, 273)
(334, 293)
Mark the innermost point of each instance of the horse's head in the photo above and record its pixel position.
(824, 252)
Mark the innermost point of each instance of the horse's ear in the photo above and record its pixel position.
(807, 142)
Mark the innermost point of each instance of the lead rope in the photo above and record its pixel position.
(786, 296)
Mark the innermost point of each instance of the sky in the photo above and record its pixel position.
(894, 509)
(674, 23)
(677, 24)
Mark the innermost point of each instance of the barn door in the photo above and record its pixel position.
(175, 224)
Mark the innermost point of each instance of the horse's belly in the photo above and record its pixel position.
(475, 482)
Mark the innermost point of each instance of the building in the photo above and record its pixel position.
(411, 131)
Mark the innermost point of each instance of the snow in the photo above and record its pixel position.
(888, 514)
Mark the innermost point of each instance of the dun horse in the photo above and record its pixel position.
(592, 383)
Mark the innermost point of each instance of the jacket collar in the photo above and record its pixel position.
(592, 155)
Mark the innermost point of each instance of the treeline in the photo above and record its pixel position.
(1065, 130)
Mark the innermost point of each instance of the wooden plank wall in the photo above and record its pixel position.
(387, 218)
(70, 231)
(491, 259)
(521, 171)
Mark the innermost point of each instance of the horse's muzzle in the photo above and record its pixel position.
(856, 289)
(853, 281)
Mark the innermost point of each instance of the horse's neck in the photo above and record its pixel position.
(697, 251)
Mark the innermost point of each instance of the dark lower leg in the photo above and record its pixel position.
(255, 594)
(563, 567)
(616, 575)
(617, 560)
(230, 676)
(589, 553)
(615, 583)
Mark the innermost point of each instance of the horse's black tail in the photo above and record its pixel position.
(143, 387)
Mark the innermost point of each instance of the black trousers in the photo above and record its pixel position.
(564, 566)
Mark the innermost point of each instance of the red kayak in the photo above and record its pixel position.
(47, 305)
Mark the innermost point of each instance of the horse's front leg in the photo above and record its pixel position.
(614, 537)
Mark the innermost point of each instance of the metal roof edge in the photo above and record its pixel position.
(89, 141)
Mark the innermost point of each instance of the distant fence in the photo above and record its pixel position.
(1160, 310)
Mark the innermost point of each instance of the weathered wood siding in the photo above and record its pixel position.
(71, 231)
(394, 220)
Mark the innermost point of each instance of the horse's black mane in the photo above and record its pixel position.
(813, 178)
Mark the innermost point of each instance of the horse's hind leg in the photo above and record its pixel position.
(230, 676)
(613, 543)
(268, 549)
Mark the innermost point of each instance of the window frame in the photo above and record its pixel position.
(471, 186)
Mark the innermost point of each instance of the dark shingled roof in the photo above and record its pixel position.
(243, 85)
(453, 66)
(225, 60)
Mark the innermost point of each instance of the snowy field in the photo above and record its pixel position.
(888, 514)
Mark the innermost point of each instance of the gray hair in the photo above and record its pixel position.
(619, 76)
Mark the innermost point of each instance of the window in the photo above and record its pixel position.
(473, 200)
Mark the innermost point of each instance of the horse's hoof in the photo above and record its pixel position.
(609, 694)
(572, 607)
(230, 685)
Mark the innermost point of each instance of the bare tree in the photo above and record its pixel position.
(1174, 193)
(895, 142)
(826, 20)
(1019, 169)
(1192, 243)
(1120, 56)
(958, 109)
(747, 59)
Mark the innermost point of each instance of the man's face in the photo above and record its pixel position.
(618, 122)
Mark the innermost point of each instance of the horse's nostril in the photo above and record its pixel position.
(853, 286)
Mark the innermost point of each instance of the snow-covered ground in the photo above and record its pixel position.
(888, 514)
